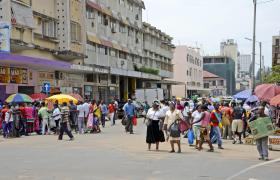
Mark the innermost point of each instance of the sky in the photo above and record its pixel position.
(205, 23)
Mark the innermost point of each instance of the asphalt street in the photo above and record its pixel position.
(115, 155)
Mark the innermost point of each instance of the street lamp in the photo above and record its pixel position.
(254, 44)
(260, 45)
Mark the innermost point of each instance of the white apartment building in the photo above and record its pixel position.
(244, 63)
(126, 53)
(188, 69)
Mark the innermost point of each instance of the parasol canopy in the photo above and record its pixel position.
(252, 98)
(266, 92)
(19, 98)
(38, 96)
(77, 96)
(61, 98)
(275, 101)
(243, 94)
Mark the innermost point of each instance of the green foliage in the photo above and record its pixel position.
(146, 70)
(274, 77)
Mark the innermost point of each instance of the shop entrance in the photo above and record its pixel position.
(26, 90)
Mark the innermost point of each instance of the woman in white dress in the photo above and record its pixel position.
(154, 134)
(172, 116)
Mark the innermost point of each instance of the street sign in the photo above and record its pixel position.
(46, 87)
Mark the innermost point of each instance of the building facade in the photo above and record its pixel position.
(276, 50)
(97, 48)
(223, 67)
(244, 72)
(188, 66)
(214, 84)
(229, 48)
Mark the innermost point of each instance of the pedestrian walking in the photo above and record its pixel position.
(104, 113)
(81, 117)
(197, 116)
(215, 120)
(154, 133)
(8, 127)
(73, 116)
(237, 124)
(44, 114)
(65, 113)
(129, 113)
(56, 117)
(205, 129)
(111, 109)
(262, 143)
(171, 122)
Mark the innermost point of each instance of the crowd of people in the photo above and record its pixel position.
(22, 119)
(206, 121)
(199, 121)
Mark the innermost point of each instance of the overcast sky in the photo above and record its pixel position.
(205, 23)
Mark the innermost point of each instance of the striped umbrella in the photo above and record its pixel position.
(19, 98)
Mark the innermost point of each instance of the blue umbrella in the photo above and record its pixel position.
(243, 94)
(252, 98)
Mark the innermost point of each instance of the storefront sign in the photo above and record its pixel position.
(81, 68)
(11, 89)
(4, 37)
(101, 70)
(13, 75)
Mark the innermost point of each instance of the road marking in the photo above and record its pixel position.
(253, 167)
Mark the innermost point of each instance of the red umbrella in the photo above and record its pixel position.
(38, 96)
(77, 96)
(275, 101)
(266, 92)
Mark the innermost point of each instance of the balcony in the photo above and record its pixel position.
(166, 74)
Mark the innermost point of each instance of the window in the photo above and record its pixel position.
(206, 85)
(277, 42)
(49, 29)
(99, 19)
(207, 60)
(130, 6)
(130, 31)
(113, 53)
(113, 79)
(90, 13)
(105, 20)
(102, 78)
(122, 28)
(122, 55)
(103, 50)
(213, 83)
(219, 60)
(113, 25)
(221, 82)
(75, 32)
(89, 78)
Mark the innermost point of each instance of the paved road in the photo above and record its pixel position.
(115, 155)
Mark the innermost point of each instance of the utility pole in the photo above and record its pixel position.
(254, 45)
(260, 43)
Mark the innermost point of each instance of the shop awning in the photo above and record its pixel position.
(106, 43)
(94, 5)
(33, 62)
(93, 39)
(116, 46)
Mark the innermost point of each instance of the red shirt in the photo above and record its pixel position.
(214, 119)
(22, 112)
(111, 108)
(3, 114)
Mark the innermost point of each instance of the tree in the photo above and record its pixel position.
(274, 77)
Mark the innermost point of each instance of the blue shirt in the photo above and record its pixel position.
(129, 109)
(104, 109)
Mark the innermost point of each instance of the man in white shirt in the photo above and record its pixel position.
(8, 121)
(81, 117)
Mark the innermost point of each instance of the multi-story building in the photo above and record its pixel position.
(126, 53)
(223, 67)
(46, 39)
(97, 48)
(244, 77)
(229, 48)
(188, 66)
(214, 84)
(276, 51)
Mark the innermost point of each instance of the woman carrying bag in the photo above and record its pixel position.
(172, 128)
(154, 134)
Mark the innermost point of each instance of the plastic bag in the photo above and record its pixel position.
(134, 121)
(190, 136)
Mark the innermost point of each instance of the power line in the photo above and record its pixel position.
(264, 2)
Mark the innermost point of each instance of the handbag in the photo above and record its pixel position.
(175, 129)
(124, 121)
(184, 126)
(190, 136)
